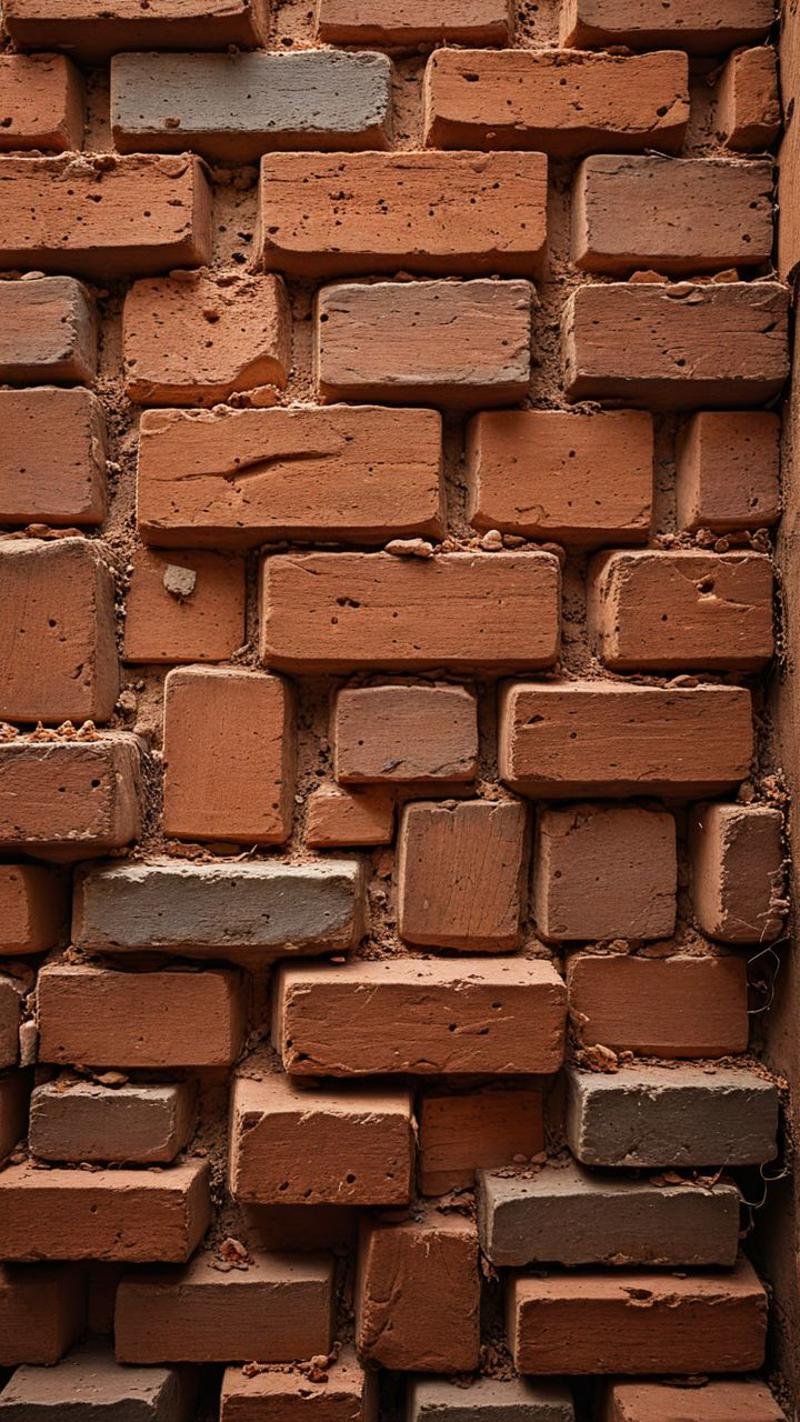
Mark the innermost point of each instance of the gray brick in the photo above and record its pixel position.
(88, 1386)
(135, 1123)
(489, 1400)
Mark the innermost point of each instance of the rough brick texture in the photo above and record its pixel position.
(41, 98)
(414, 22)
(698, 27)
(48, 331)
(748, 106)
(53, 459)
(94, 32)
(727, 474)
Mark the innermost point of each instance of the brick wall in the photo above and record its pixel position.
(392, 827)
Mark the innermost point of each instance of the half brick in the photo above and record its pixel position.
(41, 1313)
(69, 799)
(41, 99)
(53, 458)
(48, 331)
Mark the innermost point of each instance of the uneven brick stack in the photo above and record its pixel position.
(391, 842)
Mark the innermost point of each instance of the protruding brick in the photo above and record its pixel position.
(459, 874)
(729, 1400)
(348, 1393)
(294, 1145)
(92, 1015)
(206, 624)
(136, 1216)
(460, 1133)
(12, 990)
(401, 734)
(727, 470)
(659, 1116)
(236, 107)
(48, 331)
(69, 799)
(582, 479)
(135, 1123)
(53, 458)
(116, 217)
(277, 1309)
(88, 1385)
(34, 906)
(748, 114)
(738, 871)
(336, 612)
(565, 739)
(676, 345)
(664, 611)
(41, 1313)
(15, 1090)
(76, 25)
(561, 103)
(418, 1294)
(639, 1323)
(420, 1016)
(338, 816)
(414, 22)
(238, 478)
(489, 1399)
(695, 25)
(41, 102)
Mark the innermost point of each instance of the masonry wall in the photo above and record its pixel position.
(397, 727)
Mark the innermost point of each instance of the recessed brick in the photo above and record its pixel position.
(489, 1399)
(48, 331)
(34, 909)
(459, 1133)
(89, 1385)
(338, 816)
(729, 1400)
(207, 625)
(41, 1313)
(748, 113)
(41, 100)
(12, 991)
(695, 25)
(727, 470)
(414, 22)
(134, 1123)
(189, 24)
(53, 458)
(406, 735)
(738, 871)
(15, 1090)
(348, 1394)
(69, 799)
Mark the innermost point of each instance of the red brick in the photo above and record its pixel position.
(616, 738)
(459, 1134)
(34, 906)
(77, 26)
(41, 103)
(560, 102)
(48, 330)
(789, 164)
(748, 113)
(133, 1123)
(15, 1090)
(338, 816)
(402, 734)
(727, 470)
(238, 478)
(582, 479)
(336, 612)
(738, 871)
(659, 611)
(463, 213)
(699, 26)
(53, 459)
(196, 340)
(414, 22)
(12, 991)
(229, 755)
(69, 799)
(406, 341)
(725, 1401)
(347, 1394)
(207, 625)
(41, 1313)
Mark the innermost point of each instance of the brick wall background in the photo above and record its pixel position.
(397, 711)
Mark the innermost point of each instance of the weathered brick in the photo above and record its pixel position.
(420, 1016)
(136, 1216)
(15, 1090)
(41, 102)
(664, 611)
(91, 1015)
(738, 871)
(727, 470)
(134, 1123)
(660, 1116)
(789, 161)
(338, 816)
(238, 478)
(414, 22)
(377, 735)
(581, 479)
(638, 1322)
(53, 458)
(565, 739)
(564, 1214)
(93, 34)
(12, 990)
(463, 213)
(562, 103)
(489, 1399)
(337, 612)
(88, 1385)
(118, 217)
(695, 25)
(69, 799)
(683, 345)
(34, 905)
(459, 1133)
(348, 1393)
(401, 341)
(229, 755)
(41, 1313)
(48, 331)
(236, 107)
(295, 1145)
(278, 1309)
(418, 1294)
(206, 625)
(729, 1400)
(748, 112)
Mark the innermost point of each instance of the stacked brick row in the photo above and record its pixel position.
(389, 858)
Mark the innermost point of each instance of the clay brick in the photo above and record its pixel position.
(660, 611)
(642, 1323)
(295, 1145)
(406, 735)
(57, 645)
(567, 1215)
(789, 169)
(12, 990)
(238, 478)
(91, 1015)
(236, 107)
(69, 799)
(463, 213)
(337, 612)
(565, 739)
(253, 911)
(53, 458)
(118, 217)
(48, 331)
(229, 755)
(748, 114)
(695, 25)
(417, 1294)
(581, 479)
(337, 816)
(88, 1385)
(34, 904)
(683, 345)
(623, 214)
(41, 102)
(132, 1215)
(727, 470)
(93, 32)
(724, 1401)
(205, 626)
(424, 1017)
(458, 1134)
(41, 1313)
(659, 1116)
(575, 897)
(459, 874)
(196, 340)
(489, 1399)
(278, 1309)
(347, 1394)
(562, 103)
(401, 341)
(414, 22)
(664, 1007)
(15, 1090)
(738, 871)
(134, 1123)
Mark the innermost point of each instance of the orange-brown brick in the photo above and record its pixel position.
(461, 1133)
(184, 607)
(748, 114)
(41, 103)
(48, 330)
(53, 457)
(738, 871)
(41, 1313)
(727, 1400)
(700, 26)
(34, 905)
(69, 799)
(229, 755)
(402, 734)
(727, 470)
(348, 1392)
(77, 25)
(413, 22)
(339, 816)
